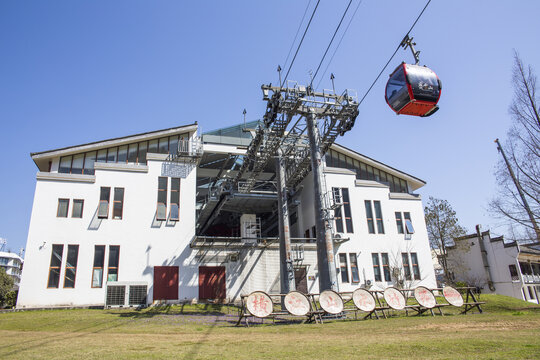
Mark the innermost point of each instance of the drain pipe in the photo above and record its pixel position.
(485, 258)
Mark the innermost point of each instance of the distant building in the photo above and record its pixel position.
(116, 222)
(495, 266)
(12, 263)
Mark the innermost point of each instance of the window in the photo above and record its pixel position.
(54, 268)
(376, 266)
(378, 215)
(65, 165)
(77, 164)
(175, 199)
(347, 210)
(314, 233)
(513, 272)
(162, 199)
(97, 270)
(354, 268)
(306, 233)
(71, 266)
(89, 160)
(406, 266)
(337, 212)
(343, 268)
(399, 223)
(163, 147)
(104, 196)
(415, 266)
(369, 215)
(122, 154)
(118, 204)
(63, 205)
(408, 223)
(112, 155)
(77, 210)
(112, 271)
(386, 267)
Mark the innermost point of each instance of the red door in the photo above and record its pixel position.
(165, 282)
(212, 282)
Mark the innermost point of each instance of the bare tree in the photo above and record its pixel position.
(443, 227)
(522, 147)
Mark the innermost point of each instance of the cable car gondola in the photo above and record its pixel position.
(413, 90)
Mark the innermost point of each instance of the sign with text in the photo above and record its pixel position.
(394, 298)
(425, 297)
(363, 300)
(297, 303)
(331, 302)
(452, 296)
(259, 304)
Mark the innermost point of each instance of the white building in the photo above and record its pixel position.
(12, 264)
(117, 222)
(495, 266)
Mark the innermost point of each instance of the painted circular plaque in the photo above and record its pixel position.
(331, 302)
(452, 296)
(259, 304)
(363, 300)
(297, 303)
(394, 298)
(425, 297)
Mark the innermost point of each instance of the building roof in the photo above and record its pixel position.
(5, 254)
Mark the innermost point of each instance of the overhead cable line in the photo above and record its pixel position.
(296, 35)
(339, 43)
(330, 43)
(394, 54)
(300, 44)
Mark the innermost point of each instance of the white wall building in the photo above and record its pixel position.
(117, 222)
(495, 266)
(12, 264)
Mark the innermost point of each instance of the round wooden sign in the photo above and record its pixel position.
(394, 298)
(452, 296)
(297, 303)
(259, 304)
(425, 297)
(331, 302)
(363, 300)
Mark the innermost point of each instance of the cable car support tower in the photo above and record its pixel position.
(298, 127)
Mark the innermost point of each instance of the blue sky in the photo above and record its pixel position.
(75, 72)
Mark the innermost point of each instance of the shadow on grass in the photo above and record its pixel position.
(184, 309)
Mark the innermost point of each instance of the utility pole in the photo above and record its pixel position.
(520, 191)
(325, 246)
(286, 273)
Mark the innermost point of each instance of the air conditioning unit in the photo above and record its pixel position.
(126, 294)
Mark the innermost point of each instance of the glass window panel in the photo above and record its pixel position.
(102, 155)
(173, 145)
(63, 205)
(343, 269)
(399, 222)
(54, 277)
(376, 266)
(378, 215)
(354, 268)
(403, 185)
(163, 147)
(370, 175)
(89, 161)
(77, 164)
(406, 266)
(65, 165)
(122, 154)
(114, 254)
(112, 155)
(174, 212)
(99, 255)
(386, 267)
(71, 266)
(369, 216)
(103, 209)
(132, 153)
(118, 205)
(153, 146)
(56, 256)
(54, 268)
(77, 211)
(141, 158)
(415, 266)
(161, 212)
(97, 278)
(409, 226)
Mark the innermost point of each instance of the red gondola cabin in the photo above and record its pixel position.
(413, 90)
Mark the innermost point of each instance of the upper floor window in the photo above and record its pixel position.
(161, 213)
(369, 216)
(342, 213)
(408, 223)
(376, 266)
(513, 272)
(77, 211)
(104, 197)
(406, 266)
(386, 267)
(379, 218)
(118, 205)
(354, 268)
(415, 266)
(175, 199)
(63, 206)
(97, 269)
(343, 268)
(114, 256)
(399, 223)
(71, 266)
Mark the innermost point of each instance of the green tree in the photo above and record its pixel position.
(6, 285)
(442, 227)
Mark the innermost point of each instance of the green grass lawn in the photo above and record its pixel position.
(508, 328)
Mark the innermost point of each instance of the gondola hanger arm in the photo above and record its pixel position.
(407, 43)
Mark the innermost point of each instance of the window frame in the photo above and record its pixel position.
(378, 216)
(415, 267)
(59, 267)
(164, 204)
(121, 202)
(94, 267)
(369, 217)
(66, 267)
(58, 208)
(386, 267)
(399, 223)
(73, 209)
(354, 268)
(406, 266)
(408, 220)
(344, 268)
(117, 267)
(176, 193)
(347, 213)
(512, 276)
(108, 201)
(377, 274)
(338, 216)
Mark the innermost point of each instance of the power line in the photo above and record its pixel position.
(394, 54)
(296, 35)
(339, 43)
(330, 43)
(300, 44)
